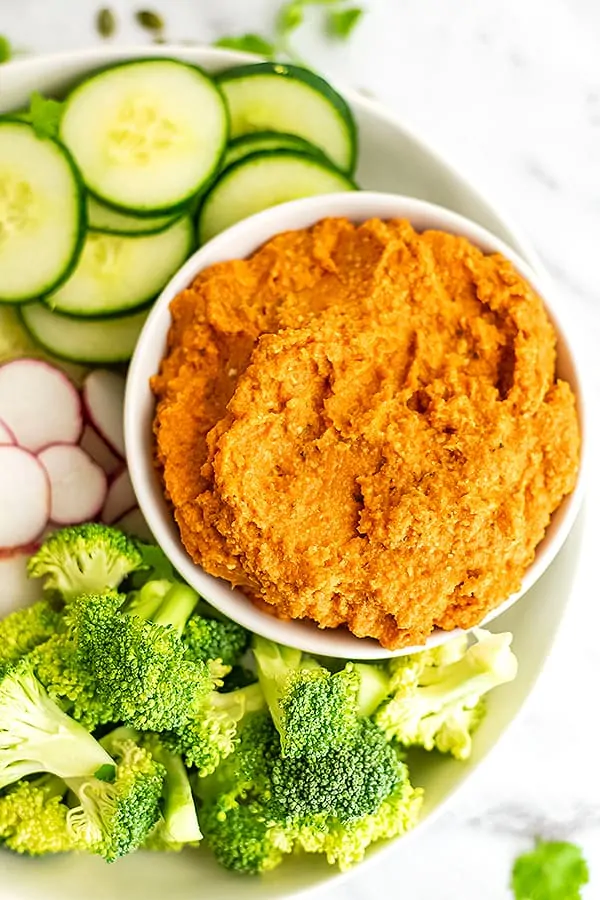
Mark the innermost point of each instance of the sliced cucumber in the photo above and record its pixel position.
(118, 273)
(147, 135)
(111, 221)
(263, 180)
(276, 97)
(42, 213)
(90, 341)
(258, 141)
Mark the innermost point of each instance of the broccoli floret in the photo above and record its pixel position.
(314, 710)
(235, 817)
(138, 667)
(244, 839)
(251, 819)
(37, 736)
(33, 818)
(208, 639)
(209, 735)
(114, 818)
(344, 843)
(85, 559)
(57, 668)
(24, 629)
(438, 706)
(347, 783)
(178, 825)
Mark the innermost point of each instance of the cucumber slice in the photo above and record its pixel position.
(89, 341)
(258, 141)
(291, 99)
(147, 135)
(111, 221)
(263, 180)
(118, 273)
(42, 213)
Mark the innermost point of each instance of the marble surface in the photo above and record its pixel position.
(511, 90)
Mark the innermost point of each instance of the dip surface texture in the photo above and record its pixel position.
(362, 425)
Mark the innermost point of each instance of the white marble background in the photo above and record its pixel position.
(511, 90)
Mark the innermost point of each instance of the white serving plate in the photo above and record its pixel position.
(393, 159)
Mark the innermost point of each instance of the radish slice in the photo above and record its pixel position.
(99, 450)
(24, 497)
(134, 523)
(119, 500)
(78, 485)
(16, 589)
(6, 435)
(39, 404)
(104, 398)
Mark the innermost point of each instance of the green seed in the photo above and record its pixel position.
(149, 20)
(106, 24)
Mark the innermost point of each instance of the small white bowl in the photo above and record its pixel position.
(238, 242)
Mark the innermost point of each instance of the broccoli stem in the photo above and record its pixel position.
(178, 605)
(179, 813)
(37, 736)
(147, 601)
(374, 687)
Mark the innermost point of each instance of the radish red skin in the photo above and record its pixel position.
(103, 399)
(6, 435)
(24, 497)
(39, 404)
(78, 485)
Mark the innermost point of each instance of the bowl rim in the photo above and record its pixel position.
(270, 222)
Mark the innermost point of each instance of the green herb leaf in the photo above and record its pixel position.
(106, 23)
(342, 22)
(149, 20)
(247, 43)
(290, 17)
(157, 563)
(44, 115)
(5, 49)
(554, 870)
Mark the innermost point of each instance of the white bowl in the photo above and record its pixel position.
(238, 242)
(392, 158)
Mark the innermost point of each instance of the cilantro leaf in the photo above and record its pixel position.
(554, 870)
(44, 115)
(248, 43)
(290, 17)
(5, 49)
(157, 563)
(342, 22)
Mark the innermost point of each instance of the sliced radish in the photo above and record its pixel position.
(120, 498)
(78, 485)
(24, 497)
(6, 435)
(16, 589)
(39, 404)
(104, 398)
(134, 523)
(99, 450)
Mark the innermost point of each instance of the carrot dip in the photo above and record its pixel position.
(362, 426)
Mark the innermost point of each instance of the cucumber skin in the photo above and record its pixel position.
(79, 359)
(324, 162)
(303, 146)
(82, 205)
(131, 310)
(298, 73)
(199, 190)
